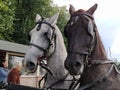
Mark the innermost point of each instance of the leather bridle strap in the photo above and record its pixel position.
(61, 80)
(42, 21)
(43, 65)
(39, 47)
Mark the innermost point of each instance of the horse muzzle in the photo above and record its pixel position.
(29, 66)
(74, 66)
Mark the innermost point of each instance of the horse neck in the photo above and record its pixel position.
(99, 52)
(56, 61)
(92, 73)
(56, 64)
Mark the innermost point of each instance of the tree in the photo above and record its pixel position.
(64, 16)
(17, 17)
(26, 11)
(6, 19)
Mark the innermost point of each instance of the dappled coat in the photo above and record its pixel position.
(14, 76)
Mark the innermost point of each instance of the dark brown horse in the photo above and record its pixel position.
(86, 53)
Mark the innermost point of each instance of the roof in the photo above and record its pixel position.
(13, 47)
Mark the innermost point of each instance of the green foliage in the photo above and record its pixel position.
(17, 17)
(6, 19)
(63, 18)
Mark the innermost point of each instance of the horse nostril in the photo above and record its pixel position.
(31, 65)
(77, 64)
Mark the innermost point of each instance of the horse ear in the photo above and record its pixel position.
(54, 18)
(71, 9)
(92, 9)
(38, 17)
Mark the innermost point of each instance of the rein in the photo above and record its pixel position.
(74, 84)
(103, 77)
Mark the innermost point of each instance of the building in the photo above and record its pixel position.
(14, 53)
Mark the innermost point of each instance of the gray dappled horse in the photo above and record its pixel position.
(46, 42)
(86, 53)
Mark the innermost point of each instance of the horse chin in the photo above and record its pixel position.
(76, 71)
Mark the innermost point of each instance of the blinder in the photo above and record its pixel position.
(91, 28)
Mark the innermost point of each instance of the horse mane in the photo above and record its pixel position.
(79, 11)
(99, 52)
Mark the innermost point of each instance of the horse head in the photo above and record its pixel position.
(42, 42)
(80, 31)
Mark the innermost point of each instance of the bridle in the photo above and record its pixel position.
(92, 31)
(45, 54)
(45, 51)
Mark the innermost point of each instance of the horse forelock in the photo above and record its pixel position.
(81, 11)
